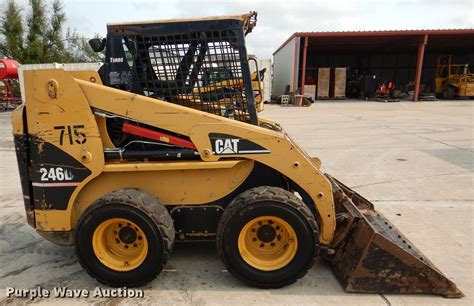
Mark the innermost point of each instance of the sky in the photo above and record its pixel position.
(277, 19)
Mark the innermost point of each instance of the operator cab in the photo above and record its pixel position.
(197, 63)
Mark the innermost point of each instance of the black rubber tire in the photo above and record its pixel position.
(449, 93)
(140, 208)
(261, 201)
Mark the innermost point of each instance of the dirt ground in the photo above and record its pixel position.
(415, 161)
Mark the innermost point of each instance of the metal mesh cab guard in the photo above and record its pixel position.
(197, 63)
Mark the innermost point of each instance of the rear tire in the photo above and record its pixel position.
(267, 237)
(124, 238)
(449, 93)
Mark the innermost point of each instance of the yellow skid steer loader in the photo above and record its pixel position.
(124, 161)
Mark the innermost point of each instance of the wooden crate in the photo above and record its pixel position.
(339, 85)
(323, 83)
(310, 91)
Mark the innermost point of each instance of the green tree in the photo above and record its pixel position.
(53, 39)
(79, 49)
(44, 39)
(36, 33)
(12, 30)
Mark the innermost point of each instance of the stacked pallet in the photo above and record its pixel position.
(324, 75)
(339, 84)
(331, 85)
(310, 91)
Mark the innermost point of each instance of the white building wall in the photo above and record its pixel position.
(283, 67)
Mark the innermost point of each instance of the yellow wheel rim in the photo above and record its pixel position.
(267, 243)
(120, 244)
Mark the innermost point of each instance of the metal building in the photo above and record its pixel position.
(401, 56)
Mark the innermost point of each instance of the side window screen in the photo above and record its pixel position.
(128, 55)
(164, 62)
(201, 70)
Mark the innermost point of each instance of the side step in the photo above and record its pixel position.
(372, 256)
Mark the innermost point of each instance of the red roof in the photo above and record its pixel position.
(385, 33)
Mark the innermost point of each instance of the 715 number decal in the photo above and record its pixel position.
(73, 132)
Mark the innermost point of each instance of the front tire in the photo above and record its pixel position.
(267, 237)
(124, 238)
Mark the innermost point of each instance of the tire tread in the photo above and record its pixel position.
(266, 193)
(151, 206)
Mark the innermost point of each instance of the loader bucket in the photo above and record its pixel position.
(372, 256)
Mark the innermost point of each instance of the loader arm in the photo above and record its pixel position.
(286, 157)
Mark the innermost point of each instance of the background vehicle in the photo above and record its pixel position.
(453, 80)
(9, 93)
